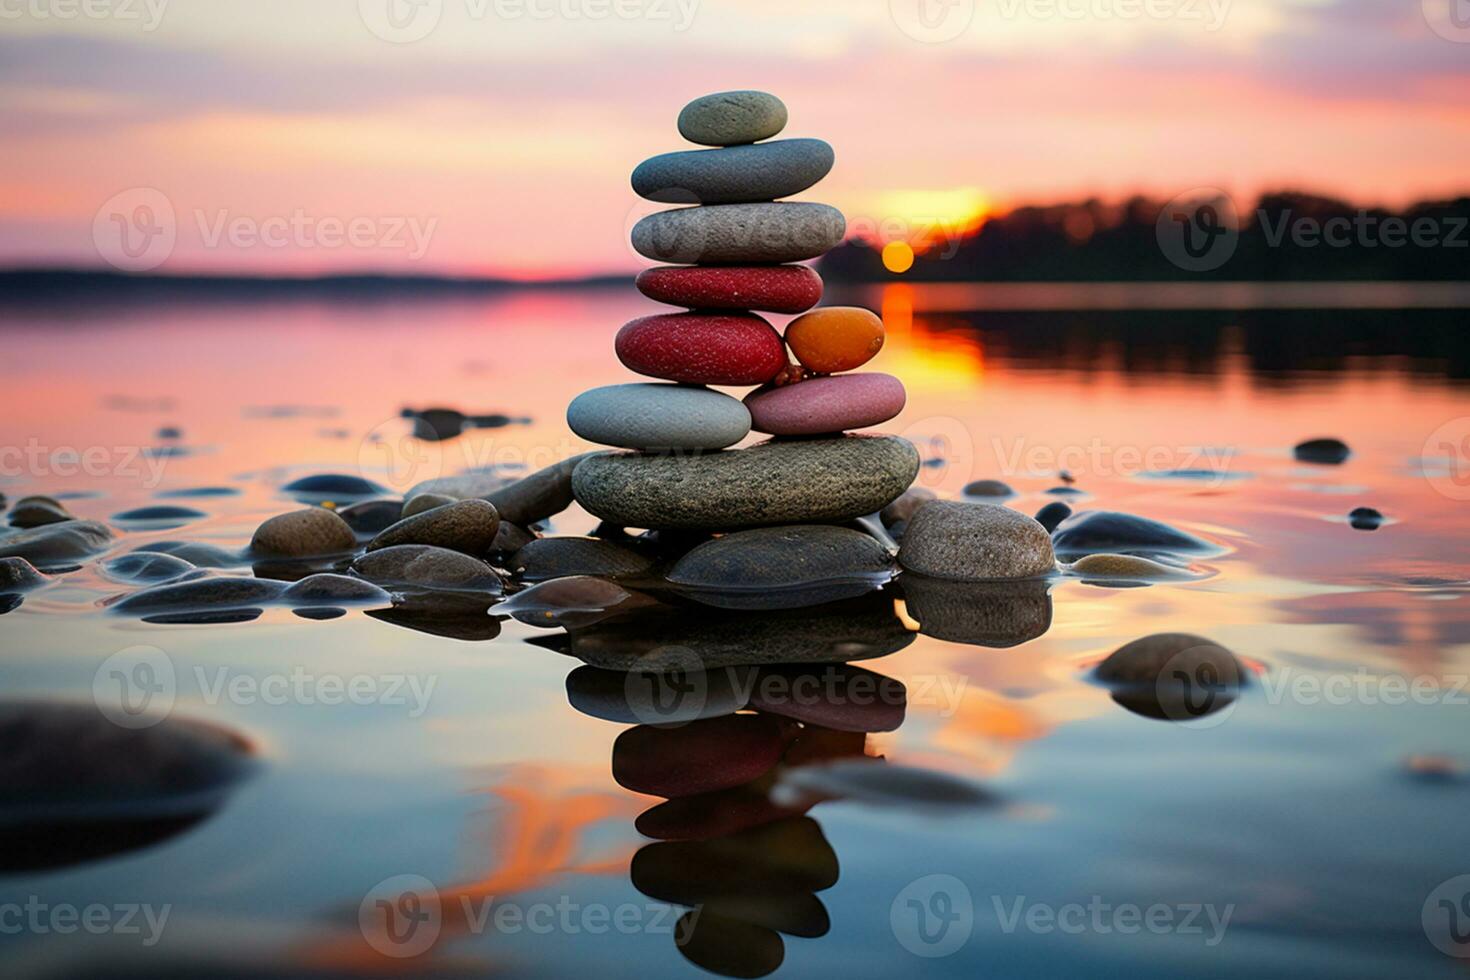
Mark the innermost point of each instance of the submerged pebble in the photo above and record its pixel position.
(1326, 452)
(195, 553)
(989, 488)
(57, 544)
(573, 601)
(201, 595)
(975, 542)
(549, 558)
(144, 566)
(1106, 567)
(1095, 531)
(1365, 519)
(332, 486)
(464, 525)
(1175, 677)
(159, 516)
(76, 787)
(303, 533)
(326, 588)
(426, 567)
(37, 511)
(18, 575)
(776, 559)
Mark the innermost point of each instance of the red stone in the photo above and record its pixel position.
(703, 348)
(773, 288)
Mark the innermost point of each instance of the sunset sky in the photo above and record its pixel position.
(501, 141)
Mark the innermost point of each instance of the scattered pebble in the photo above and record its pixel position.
(556, 557)
(303, 533)
(1097, 531)
(372, 516)
(422, 503)
(989, 488)
(18, 575)
(147, 567)
(464, 525)
(1365, 519)
(543, 494)
(1326, 452)
(1052, 515)
(196, 553)
(51, 545)
(159, 516)
(202, 595)
(975, 542)
(1106, 567)
(1173, 677)
(192, 492)
(335, 590)
(38, 512)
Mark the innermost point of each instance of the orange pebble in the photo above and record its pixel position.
(835, 338)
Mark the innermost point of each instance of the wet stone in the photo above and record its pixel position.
(18, 575)
(1095, 531)
(372, 516)
(336, 590)
(53, 545)
(202, 594)
(464, 525)
(303, 533)
(38, 511)
(429, 568)
(147, 567)
(549, 558)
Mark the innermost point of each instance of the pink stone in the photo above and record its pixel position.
(832, 404)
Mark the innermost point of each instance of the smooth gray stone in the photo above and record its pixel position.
(461, 487)
(525, 501)
(810, 481)
(782, 231)
(424, 502)
(302, 534)
(195, 553)
(989, 488)
(57, 544)
(426, 567)
(202, 594)
(18, 575)
(735, 175)
(550, 558)
(372, 516)
(510, 539)
(776, 558)
(1147, 661)
(327, 588)
(658, 416)
(332, 486)
(465, 525)
(975, 542)
(732, 118)
(1097, 531)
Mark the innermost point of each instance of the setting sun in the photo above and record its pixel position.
(923, 218)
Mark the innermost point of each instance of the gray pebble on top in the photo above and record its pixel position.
(732, 118)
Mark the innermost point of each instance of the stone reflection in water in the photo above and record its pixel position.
(987, 614)
(76, 787)
(673, 637)
(1174, 677)
(748, 869)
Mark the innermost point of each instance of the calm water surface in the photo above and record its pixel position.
(1293, 832)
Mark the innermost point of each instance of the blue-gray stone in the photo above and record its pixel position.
(658, 416)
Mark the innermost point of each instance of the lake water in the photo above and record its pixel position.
(1306, 829)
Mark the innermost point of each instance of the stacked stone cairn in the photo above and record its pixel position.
(733, 256)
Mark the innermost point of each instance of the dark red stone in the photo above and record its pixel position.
(703, 348)
(773, 288)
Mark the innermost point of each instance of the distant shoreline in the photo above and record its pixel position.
(53, 288)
